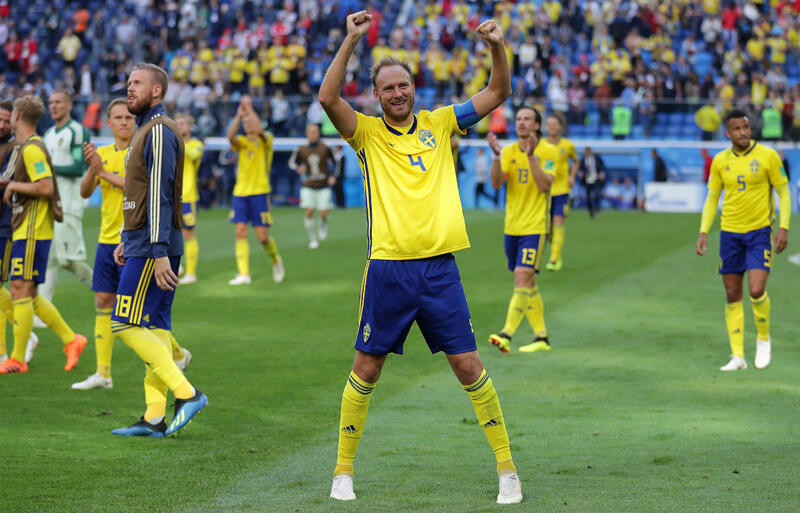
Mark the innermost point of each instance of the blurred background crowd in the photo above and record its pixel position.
(624, 69)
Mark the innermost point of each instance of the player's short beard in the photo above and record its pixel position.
(387, 109)
(141, 106)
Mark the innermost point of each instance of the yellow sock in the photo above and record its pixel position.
(535, 314)
(761, 312)
(152, 346)
(48, 313)
(558, 242)
(103, 341)
(516, 309)
(243, 257)
(192, 250)
(23, 324)
(155, 409)
(272, 250)
(6, 314)
(734, 320)
(177, 350)
(487, 408)
(355, 403)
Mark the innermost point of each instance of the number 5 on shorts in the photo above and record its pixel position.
(768, 258)
(16, 267)
(528, 256)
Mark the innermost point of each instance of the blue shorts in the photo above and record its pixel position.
(105, 277)
(5, 257)
(251, 209)
(139, 300)
(29, 260)
(189, 214)
(744, 251)
(395, 293)
(524, 251)
(558, 204)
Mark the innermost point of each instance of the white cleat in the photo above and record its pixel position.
(184, 362)
(313, 244)
(187, 279)
(736, 363)
(510, 489)
(342, 488)
(763, 353)
(93, 381)
(322, 231)
(38, 323)
(240, 279)
(33, 343)
(278, 272)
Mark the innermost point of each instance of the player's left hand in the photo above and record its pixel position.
(571, 180)
(781, 240)
(165, 278)
(490, 31)
(331, 180)
(702, 244)
(7, 194)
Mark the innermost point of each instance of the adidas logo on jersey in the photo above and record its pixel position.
(350, 430)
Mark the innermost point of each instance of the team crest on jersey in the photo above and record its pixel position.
(754, 166)
(427, 138)
(366, 332)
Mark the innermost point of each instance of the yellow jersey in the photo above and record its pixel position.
(111, 206)
(413, 205)
(38, 222)
(526, 206)
(566, 152)
(255, 162)
(748, 180)
(192, 155)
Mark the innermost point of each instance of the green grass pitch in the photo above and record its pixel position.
(627, 413)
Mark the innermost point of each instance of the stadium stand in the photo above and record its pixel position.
(661, 59)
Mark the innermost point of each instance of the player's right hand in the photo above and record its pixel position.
(90, 156)
(119, 259)
(532, 142)
(702, 244)
(494, 143)
(358, 23)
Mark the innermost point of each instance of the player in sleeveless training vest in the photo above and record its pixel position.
(33, 194)
(8, 154)
(64, 142)
(191, 165)
(314, 163)
(749, 172)
(528, 169)
(150, 253)
(107, 170)
(251, 192)
(414, 224)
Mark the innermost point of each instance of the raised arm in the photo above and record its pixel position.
(233, 129)
(499, 88)
(543, 180)
(339, 111)
(496, 175)
(89, 181)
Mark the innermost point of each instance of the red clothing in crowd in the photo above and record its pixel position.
(729, 17)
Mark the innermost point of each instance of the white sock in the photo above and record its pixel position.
(312, 233)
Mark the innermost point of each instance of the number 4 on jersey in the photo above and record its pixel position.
(417, 162)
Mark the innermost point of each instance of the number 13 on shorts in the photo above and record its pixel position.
(529, 256)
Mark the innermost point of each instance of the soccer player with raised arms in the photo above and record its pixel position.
(528, 167)
(33, 194)
(191, 164)
(562, 185)
(414, 224)
(748, 172)
(150, 253)
(251, 192)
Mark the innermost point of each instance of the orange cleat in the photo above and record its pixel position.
(73, 351)
(12, 366)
